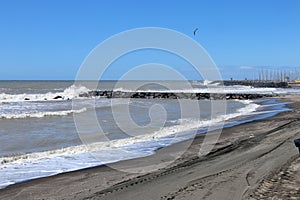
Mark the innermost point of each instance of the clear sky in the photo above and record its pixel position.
(49, 39)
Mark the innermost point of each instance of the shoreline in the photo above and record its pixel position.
(101, 181)
(232, 121)
(245, 116)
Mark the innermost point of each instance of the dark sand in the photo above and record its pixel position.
(256, 160)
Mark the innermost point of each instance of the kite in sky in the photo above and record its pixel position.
(195, 31)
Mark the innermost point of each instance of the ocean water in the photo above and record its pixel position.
(38, 135)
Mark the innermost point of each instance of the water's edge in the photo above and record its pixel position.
(265, 112)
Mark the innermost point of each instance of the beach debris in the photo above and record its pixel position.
(297, 144)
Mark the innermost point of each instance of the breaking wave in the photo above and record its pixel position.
(17, 168)
(219, 90)
(69, 93)
(40, 114)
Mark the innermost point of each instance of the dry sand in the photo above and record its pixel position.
(256, 160)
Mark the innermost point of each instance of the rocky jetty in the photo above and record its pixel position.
(171, 95)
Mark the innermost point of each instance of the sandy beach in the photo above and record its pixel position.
(256, 160)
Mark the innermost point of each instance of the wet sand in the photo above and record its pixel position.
(256, 160)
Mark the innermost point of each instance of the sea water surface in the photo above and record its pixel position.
(38, 135)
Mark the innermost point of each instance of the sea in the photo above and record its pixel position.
(39, 136)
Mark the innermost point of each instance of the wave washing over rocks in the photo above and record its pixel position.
(174, 95)
(69, 93)
(212, 92)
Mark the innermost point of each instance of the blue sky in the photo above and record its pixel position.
(50, 39)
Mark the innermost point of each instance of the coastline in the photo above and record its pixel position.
(239, 148)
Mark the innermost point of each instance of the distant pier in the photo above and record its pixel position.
(254, 83)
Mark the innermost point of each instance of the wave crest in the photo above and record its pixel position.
(41, 114)
(71, 92)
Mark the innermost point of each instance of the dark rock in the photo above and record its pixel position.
(58, 97)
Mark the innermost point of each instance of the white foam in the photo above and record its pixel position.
(16, 168)
(218, 90)
(40, 114)
(184, 126)
(69, 93)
